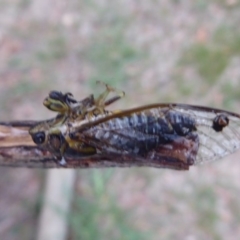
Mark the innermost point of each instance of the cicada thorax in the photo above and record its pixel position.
(54, 134)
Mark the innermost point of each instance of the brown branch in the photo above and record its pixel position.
(18, 150)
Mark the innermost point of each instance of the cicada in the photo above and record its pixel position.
(172, 135)
(54, 134)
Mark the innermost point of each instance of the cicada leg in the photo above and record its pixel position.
(59, 102)
(80, 147)
(58, 145)
(101, 101)
(61, 145)
(67, 106)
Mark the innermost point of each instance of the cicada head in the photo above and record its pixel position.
(49, 137)
(39, 133)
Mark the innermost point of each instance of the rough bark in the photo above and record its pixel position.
(18, 150)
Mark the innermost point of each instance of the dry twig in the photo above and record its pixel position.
(18, 150)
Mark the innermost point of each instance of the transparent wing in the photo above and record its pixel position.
(214, 144)
(185, 133)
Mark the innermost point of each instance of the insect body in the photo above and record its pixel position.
(156, 133)
(54, 134)
(173, 135)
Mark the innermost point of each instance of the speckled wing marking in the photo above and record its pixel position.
(171, 133)
(216, 140)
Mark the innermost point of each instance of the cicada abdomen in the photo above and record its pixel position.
(175, 135)
(154, 134)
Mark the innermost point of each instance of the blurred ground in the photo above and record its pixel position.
(157, 51)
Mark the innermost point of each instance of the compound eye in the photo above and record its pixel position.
(39, 137)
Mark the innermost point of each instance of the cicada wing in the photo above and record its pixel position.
(218, 131)
(184, 133)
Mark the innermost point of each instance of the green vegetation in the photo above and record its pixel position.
(209, 62)
(205, 204)
(55, 49)
(111, 54)
(231, 94)
(211, 58)
(96, 214)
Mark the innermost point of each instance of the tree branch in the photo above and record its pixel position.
(18, 150)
